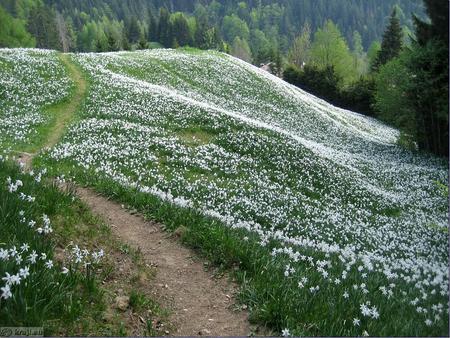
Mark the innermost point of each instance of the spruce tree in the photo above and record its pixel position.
(428, 92)
(133, 30)
(164, 28)
(181, 30)
(391, 44)
(152, 27)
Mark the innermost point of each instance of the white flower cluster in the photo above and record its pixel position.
(325, 188)
(272, 159)
(83, 257)
(17, 256)
(30, 79)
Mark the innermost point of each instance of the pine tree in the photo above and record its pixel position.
(180, 30)
(164, 28)
(42, 25)
(133, 30)
(428, 92)
(152, 27)
(391, 44)
(143, 43)
(200, 33)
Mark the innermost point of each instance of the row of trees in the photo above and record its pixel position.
(405, 85)
(255, 30)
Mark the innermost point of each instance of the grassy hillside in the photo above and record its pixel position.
(332, 228)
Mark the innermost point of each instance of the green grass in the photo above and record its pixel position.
(73, 303)
(273, 300)
(46, 297)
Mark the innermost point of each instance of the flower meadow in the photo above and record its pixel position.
(30, 80)
(37, 287)
(333, 228)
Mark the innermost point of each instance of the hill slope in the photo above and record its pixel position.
(350, 230)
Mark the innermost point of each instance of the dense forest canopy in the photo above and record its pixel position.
(279, 20)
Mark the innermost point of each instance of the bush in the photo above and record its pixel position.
(325, 83)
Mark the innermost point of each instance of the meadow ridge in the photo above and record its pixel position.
(334, 228)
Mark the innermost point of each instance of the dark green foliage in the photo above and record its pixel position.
(429, 90)
(428, 94)
(165, 28)
(180, 29)
(320, 82)
(143, 43)
(358, 96)
(41, 24)
(437, 11)
(412, 89)
(324, 83)
(13, 32)
(133, 30)
(391, 44)
(152, 27)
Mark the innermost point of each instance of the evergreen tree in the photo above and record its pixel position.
(276, 64)
(143, 43)
(164, 28)
(133, 30)
(180, 29)
(200, 36)
(429, 89)
(391, 44)
(152, 27)
(42, 25)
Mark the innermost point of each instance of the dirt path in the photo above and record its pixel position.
(199, 303)
(64, 112)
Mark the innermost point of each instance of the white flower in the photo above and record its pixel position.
(33, 256)
(25, 272)
(4, 255)
(13, 251)
(365, 310)
(428, 322)
(15, 279)
(7, 279)
(49, 264)
(356, 321)
(285, 333)
(6, 292)
(374, 313)
(365, 333)
(346, 295)
(11, 279)
(19, 259)
(24, 247)
(65, 270)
